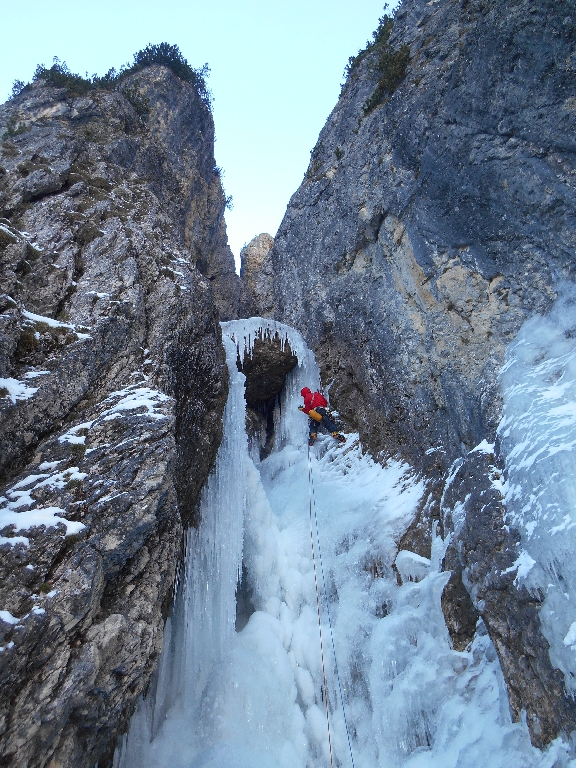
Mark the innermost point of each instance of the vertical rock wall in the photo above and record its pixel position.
(115, 272)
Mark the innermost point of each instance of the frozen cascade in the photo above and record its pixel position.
(253, 699)
(538, 437)
(203, 617)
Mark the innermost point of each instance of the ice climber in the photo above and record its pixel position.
(315, 407)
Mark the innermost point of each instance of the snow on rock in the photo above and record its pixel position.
(134, 397)
(35, 374)
(17, 390)
(49, 464)
(538, 437)
(523, 565)
(47, 516)
(484, 447)
(72, 435)
(33, 318)
(19, 495)
(47, 320)
(27, 481)
(14, 540)
(8, 618)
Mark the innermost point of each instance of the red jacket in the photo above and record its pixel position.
(313, 400)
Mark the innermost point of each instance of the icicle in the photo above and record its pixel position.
(246, 332)
(289, 423)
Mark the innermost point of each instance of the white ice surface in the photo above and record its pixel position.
(412, 567)
(254, 697)
(538, 437)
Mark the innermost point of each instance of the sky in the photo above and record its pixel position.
(276, 69)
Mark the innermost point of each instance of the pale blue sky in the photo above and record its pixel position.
(276, 74)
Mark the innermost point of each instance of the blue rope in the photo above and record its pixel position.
(313, 506)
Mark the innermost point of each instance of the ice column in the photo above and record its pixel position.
(203, 620)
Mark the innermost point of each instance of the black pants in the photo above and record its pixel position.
(326, 422)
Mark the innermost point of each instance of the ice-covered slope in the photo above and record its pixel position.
(254, 697)
(538, 438)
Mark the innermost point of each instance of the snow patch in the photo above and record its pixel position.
(72, 437)
(17, 390)
(14, 540)
(20, 495)
(41, 516)
(33, 318)
(523, 564)
(50, 464)
(134, 397)
(30, 480)
(7, 617)
(35, 374)
(483, 447)
(47, 320)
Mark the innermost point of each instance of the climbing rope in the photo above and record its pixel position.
(325, 689)
(314, 517)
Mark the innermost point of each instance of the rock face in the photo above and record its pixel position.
(429, 228)
(436, 215)
(115, 272)
(257, 277)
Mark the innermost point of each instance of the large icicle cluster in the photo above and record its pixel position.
(289, 425)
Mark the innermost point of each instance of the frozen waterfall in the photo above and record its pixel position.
(254, 698)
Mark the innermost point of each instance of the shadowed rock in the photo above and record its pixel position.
(265, 369)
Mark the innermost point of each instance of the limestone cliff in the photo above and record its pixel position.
(436, 215)
(115, 271)
(257, 277)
